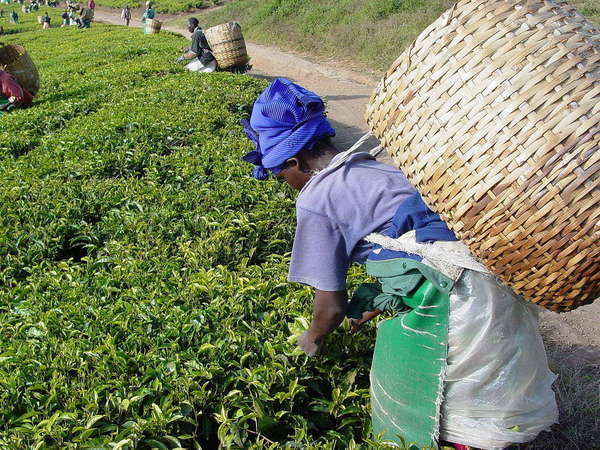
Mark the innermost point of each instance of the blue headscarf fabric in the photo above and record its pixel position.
(286, 118)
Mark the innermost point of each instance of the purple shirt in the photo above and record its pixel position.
(335, 210)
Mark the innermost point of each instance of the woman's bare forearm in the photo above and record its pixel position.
(329, 311)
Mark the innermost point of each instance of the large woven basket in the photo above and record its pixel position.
(40, 19)
(153, 25)
(15, 60)
(493, 113)
(227, 44)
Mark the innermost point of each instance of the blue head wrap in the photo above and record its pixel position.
(286, 118)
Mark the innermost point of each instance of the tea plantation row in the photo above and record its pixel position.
(143, 301)
(161, 6)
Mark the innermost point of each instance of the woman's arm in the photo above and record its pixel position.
(329, 311)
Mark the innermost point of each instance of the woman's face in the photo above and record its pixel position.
(294, 174)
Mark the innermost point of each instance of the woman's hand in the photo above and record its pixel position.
(308, 344)
(355, 324)
(329, 311)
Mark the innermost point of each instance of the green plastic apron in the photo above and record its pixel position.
(409, 360)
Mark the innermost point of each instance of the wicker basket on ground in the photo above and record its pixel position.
(40, 19)
(493, 113)
(227, 44)
(15, 60)
(153, 26)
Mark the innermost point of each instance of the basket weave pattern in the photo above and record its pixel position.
(88, 14)
(493, 113)
(154, 26)
(15, 60)
(228, 45)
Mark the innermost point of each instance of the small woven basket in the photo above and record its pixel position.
(154, 26)
(15, 60)
(228, 45)
(493, 113)
(40, 19)
(88, 14)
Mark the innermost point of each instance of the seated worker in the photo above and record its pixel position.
(442, 370)
(12, 95)
(202, 59)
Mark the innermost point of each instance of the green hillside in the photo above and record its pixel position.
(372, 32)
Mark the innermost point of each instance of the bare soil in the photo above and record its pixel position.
(573, 339)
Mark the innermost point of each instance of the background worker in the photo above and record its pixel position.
(126, 15)
(199, 54)
(465, 374)
(65, 18)
(72, 17)
(12, 95)
(14, 17)
(85, 18)
(148, 15)
(45, 21)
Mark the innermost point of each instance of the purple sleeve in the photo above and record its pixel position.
(319, 255)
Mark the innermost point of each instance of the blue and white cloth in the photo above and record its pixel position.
(286, 118)
(339, 207)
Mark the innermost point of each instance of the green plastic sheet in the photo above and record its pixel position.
(410, 354)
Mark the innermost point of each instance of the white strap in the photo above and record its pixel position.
(449, 257)
(341, 158)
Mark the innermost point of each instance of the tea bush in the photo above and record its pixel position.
(143, 301)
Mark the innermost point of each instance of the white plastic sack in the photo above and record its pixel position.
(498, 384)
(196, 66)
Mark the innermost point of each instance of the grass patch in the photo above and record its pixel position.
(578, 395)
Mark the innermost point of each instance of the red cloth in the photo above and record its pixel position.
(10, 88)
(91, 4)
